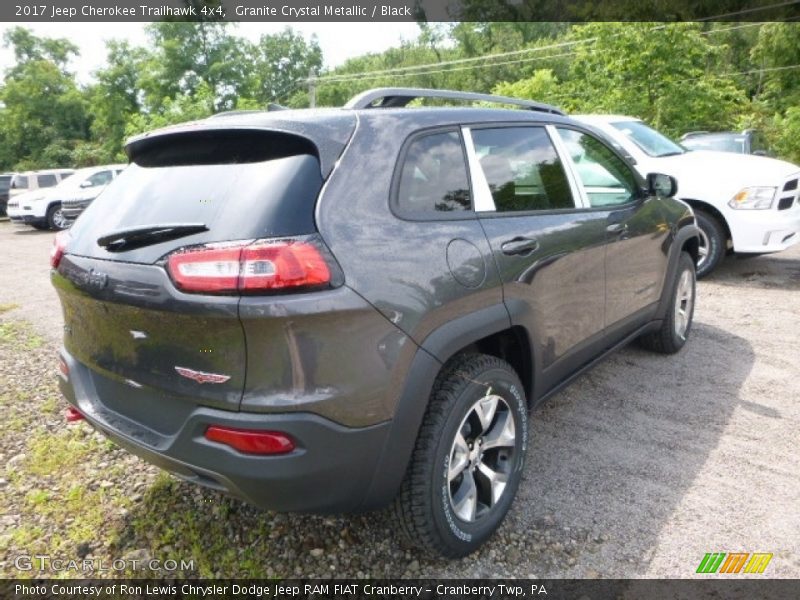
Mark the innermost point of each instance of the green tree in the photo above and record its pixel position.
(667, 74)
(188, 55)
(542, 87)
(44, 114)
(113, 100)
(279, 64)
(182, 108)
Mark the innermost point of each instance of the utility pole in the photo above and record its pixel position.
(312, 87)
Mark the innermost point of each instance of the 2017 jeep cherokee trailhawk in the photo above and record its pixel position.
(330, 310)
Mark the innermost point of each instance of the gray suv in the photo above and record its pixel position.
(335, 310)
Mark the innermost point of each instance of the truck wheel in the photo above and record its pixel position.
(56, 219)
(677, 323)
(468, 459)
(712, 243)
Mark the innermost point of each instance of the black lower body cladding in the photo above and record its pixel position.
(329, 471)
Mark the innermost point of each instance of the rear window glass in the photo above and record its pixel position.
(434, 176)
(236, 198)
(47, 180)
(522, 169)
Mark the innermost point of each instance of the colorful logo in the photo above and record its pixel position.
(734, 562)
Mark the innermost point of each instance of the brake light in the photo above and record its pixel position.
(251, 441)
(250, 267)
(57, 251)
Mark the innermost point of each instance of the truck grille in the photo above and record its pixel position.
(789, 194)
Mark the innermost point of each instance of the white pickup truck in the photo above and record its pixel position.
(744, 203)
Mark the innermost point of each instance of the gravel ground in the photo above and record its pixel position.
(637, 470)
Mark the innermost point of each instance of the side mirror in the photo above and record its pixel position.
(86, 184)
(659, 184)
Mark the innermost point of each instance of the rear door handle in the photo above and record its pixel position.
(617, 228)
(519, 245)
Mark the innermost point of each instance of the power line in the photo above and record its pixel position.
(335, 78)
(396, 70)
(468, 67)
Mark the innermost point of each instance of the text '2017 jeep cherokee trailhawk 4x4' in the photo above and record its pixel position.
(328, 310)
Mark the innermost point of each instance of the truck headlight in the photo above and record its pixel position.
(753, 198)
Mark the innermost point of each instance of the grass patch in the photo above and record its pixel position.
(57, 461)
(49, 454)
(4, 308)
(51, 405)
(20, 334)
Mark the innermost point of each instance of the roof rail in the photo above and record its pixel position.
(398, 97)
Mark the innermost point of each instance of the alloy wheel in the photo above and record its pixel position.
(59, 220)
(481, 458)
(703, 249)
(683, 304)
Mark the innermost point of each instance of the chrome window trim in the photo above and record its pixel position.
(579, 195)
(482, 199)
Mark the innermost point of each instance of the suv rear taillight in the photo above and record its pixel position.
(251, 267)
(57, 251)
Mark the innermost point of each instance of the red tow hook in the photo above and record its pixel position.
(73, 414)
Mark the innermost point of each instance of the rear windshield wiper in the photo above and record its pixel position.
(146, 235)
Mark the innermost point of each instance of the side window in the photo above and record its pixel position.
(758, 143)
(20, 182)
(434, 175)
(47, 180)
(608, 181)
(65, 174)
(101, 178)
(522, 169)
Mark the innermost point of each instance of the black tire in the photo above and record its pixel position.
(55, 218)
(714, 232)
(671, 336)
(424, 506)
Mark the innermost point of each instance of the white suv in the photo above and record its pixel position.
(748, 204)
(45, 209)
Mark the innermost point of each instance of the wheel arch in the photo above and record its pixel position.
(712, 211)
(687, 239)
(487, 331)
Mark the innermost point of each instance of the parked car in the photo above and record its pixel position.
(75, 198)
(333, 310)
(749, 141)
(743, 203)
(5, 184)
(45, 208)
(29, 181)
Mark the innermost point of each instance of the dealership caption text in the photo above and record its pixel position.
(48, 11)
(278, 590)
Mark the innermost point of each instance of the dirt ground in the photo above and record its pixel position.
(637, 470)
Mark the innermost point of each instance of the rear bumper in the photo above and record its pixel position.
(763, 231)
(329, 471)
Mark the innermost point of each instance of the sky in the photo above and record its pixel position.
(339, 41)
